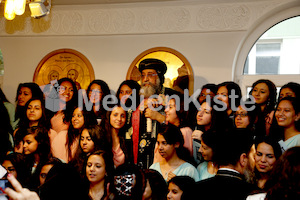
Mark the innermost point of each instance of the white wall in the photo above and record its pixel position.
(209, 43)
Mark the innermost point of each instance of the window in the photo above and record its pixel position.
(275, 52)
(274, 55)
(264, 58)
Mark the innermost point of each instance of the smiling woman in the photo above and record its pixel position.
(286, 125)
(114, 125)
(60, 118)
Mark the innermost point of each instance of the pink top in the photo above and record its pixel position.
(57, 122)
(59, 148)
(188, 143)
(119, 156)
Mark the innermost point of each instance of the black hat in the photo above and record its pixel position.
(151, 63)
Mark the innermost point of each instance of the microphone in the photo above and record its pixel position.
(149, 125)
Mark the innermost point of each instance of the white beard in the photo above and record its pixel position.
(149, 90)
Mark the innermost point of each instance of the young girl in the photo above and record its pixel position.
(177, 117)
(92, 138)
(291, 89)
(181, 187)
(287, 126)
(96, 91)
(207, 168)
(267, 152)
(209, 118)
(25, 92)
(283, 182)
(264, 92)
(99, 172)
(60, 120)
(37, 150)
(208, 92)
(114, 125)
(248, 117)
(80, 120)
(156, 188)
(15, 164)
(60, 117)
(35, 116)
(126, 89)
(226, 92)
(170, 146)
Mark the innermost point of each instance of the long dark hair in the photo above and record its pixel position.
(43, 151)
(283, 183)
(19, 164)
(73, 103)
(180, 112)
(209, 86)
(275, 146)
(277, 131)
(256, 119)
(270, 141)
(36, 93)
(98, 136)
(109, 169)
(209, 138)
(157, 183)
(42, 121)
(173, 135)
(105, 124)
(105, 90)
(232, 87)
(70, 105)
(186, 184)
(219, 118)
(89, 120)
(270, 104)
(41, 136)
(295, 87)
(134, 86)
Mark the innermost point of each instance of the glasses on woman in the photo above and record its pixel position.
(241, 114)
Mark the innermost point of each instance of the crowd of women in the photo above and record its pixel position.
(72, 152)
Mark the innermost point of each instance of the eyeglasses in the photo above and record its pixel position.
(241, 114)
(95, 92)
(150, 75)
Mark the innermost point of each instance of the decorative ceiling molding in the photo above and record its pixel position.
(139, 19)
